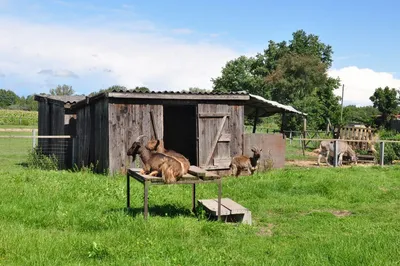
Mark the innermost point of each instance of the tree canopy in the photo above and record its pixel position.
(386, 100)
(7, 98)
(293, 73)
(62, 90)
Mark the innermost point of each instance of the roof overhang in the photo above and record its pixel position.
(264, 107)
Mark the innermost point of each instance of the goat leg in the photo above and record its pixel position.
(153, 173)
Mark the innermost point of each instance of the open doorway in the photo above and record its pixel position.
(180, 130)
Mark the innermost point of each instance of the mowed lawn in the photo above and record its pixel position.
(301, 216)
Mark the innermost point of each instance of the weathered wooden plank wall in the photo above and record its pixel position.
(230, 142)
(83, 132)
(126, 123)
(273, 147)
(57, 147)
(100, 136)
(237, 129)
(43, 123)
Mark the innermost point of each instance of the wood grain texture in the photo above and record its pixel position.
(126, 123)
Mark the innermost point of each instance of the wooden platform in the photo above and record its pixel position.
(195, 176)
(231, 211)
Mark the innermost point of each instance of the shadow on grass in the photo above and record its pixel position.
(23, 164)
(167, 210)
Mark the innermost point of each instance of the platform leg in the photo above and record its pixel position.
(146, 199)
(128, 192)
(194, 198)
(219, 199)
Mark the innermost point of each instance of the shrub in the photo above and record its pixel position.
(392, 150)
(38, 160)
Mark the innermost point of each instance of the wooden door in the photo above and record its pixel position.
(214, 136)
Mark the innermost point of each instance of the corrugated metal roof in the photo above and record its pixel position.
(66, 99)
(270, 106)
(265, 107)
(185, 92)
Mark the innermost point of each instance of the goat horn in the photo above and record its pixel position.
(139, 138)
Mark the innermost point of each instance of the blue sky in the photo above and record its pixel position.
(173, 45)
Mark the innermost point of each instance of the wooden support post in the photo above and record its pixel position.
(33, 138)
(219, 198)
(153, 125)
(382, 153)
(290, 137)
(128, 192)
(193, 198)
(146, 199)
(335, 153)
(283, 123)
(304, 134)
(255, 121)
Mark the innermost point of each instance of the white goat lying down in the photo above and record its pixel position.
(326, 149)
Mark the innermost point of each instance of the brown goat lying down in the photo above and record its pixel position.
(155, 163)
(241, 162)
(158, 146)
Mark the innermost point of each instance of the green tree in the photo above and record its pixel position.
(293, 73)
(62, 90)
(365, 115)
(7, 98)
(141, 89)
(242, 74)
(386, 101)
(196, 90)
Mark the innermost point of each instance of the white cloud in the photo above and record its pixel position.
(131, 58)
(58, 73)
(360, 83)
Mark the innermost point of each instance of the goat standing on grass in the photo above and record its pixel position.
(241, 162)
(327, 150)
(155, 163)
(158, 146)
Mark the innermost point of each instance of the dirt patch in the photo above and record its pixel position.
(308, 163)
(343, 213)
(266, 231)
(337, 213)
(313, 163)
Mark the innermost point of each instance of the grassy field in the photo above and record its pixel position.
(18, 117)
(301, 216)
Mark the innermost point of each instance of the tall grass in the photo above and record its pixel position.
(18, 117)
(301, 216)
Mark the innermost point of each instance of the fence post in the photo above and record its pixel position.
(290, 137)
(20, 118)
(335, 153)
(33, 138)
(381, 153)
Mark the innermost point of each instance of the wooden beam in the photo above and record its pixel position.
(153, 124)
(213, 115)
(255, 121)
(214, 144)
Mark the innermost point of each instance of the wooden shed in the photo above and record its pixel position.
(55, 117)
(208, 128)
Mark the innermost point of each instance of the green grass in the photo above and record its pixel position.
(65, 218)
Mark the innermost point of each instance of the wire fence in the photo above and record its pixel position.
(17, 144)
